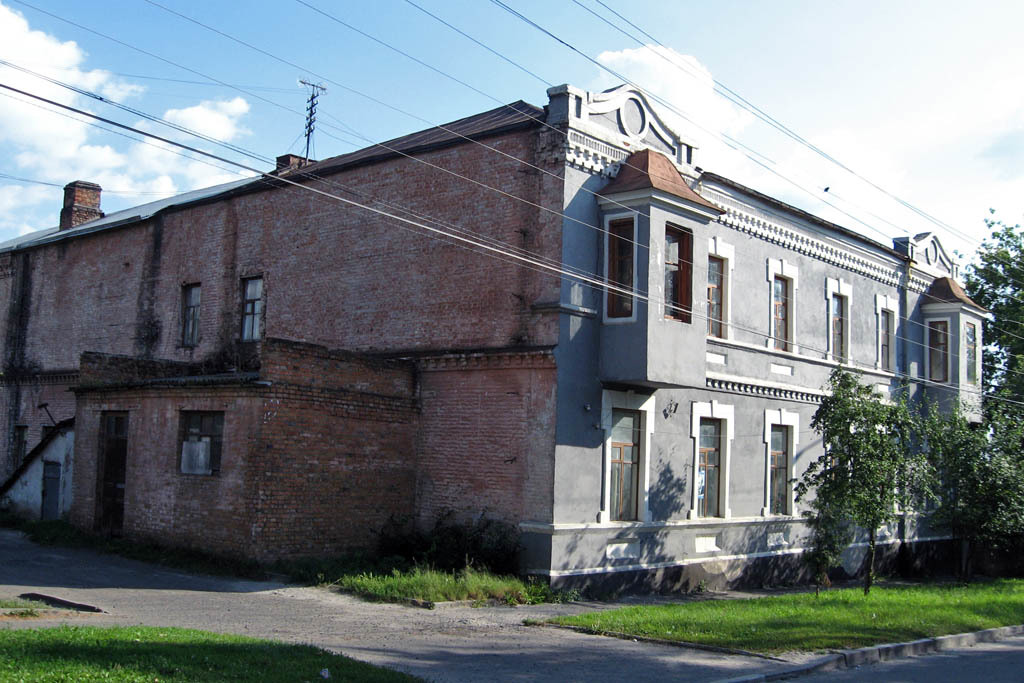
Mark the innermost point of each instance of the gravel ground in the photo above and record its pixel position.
(450, 643)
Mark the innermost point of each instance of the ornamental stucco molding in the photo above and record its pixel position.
(794, 240)
(751, 389)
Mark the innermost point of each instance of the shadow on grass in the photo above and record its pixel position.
(145, 653)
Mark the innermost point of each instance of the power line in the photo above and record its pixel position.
(588, 280)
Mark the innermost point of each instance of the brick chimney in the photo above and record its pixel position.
(287, 162)
(81, 204)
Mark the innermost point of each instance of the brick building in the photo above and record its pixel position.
(260, 369)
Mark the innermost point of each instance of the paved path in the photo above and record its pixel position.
(446, 644)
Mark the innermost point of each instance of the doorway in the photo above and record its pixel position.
(113, 458)
(51, 490)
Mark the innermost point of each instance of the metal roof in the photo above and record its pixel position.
(518, 114)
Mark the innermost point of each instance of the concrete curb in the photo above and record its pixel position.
(60, 602)
(848, 659)
(658, 641)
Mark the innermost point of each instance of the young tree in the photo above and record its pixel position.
(868, 465)
(994, 281)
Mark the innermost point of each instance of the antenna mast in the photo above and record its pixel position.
(311, 103)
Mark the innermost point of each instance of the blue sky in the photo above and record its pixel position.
(922, 99)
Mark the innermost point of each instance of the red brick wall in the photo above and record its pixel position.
(487, 437)
(307, 467)
(333, 274)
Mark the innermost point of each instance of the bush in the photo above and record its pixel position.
(486, 544)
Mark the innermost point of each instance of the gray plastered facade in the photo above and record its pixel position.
(674, 373)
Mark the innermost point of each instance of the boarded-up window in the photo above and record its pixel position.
(201, 434)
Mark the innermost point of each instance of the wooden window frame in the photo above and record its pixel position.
(190, 311)
(192, 424)
(703, 468)
(780, 323)
(971, 352)
(621, 240)
(839, 324)
(887, 322)
(618, 514)
(680, 307)
(252, 311)
(938, 342)
(785, 457)
(718, 265)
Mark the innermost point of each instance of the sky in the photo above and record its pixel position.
(920, 103)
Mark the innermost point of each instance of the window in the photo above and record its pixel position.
(779, 470)
(201, 442)
(620, 268)
(252, 308)
(885, 340)
(938, 350)
(839, 323)
(783, 282)
(625, 463)
(780, 312)
(190, 298)
(709, 468)
(971, 352)
(678, 274)
(626, 421)
(716, 302)
(838, 295)
(781, 436)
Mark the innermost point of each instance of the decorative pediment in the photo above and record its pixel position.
(606, 127)
(928, 254)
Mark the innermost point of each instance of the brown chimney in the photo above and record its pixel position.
(81, 204)
(286, 162)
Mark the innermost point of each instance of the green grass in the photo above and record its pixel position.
(838, 619)
(75, 653)
(437, 586)
(18, 603)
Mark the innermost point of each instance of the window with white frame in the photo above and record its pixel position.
(783, 280)
(838, 298)
(781, 437)
(711, 427)
(720, 263)
(885, 348)
(971, 352)
(620, 267)
(938, 350)
(627, 419)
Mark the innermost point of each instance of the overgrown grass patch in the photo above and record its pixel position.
(838, 619)
(438, 586)
(74, 653)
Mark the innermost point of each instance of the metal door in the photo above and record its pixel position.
(51, 490)
(113, 459)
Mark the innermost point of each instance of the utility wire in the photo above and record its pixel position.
(438, 231)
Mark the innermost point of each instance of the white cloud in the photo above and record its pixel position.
(219, 120)
(59, 147)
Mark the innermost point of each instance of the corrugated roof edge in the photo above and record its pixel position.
(501, 119)
(714, 177)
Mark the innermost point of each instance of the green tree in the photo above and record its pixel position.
(995, 280)
(868, 466)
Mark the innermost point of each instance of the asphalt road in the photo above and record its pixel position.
(1000, 662)
(447, 644)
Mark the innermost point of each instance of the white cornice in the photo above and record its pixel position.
(653, 196)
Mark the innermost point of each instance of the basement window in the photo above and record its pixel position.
(201, 436)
